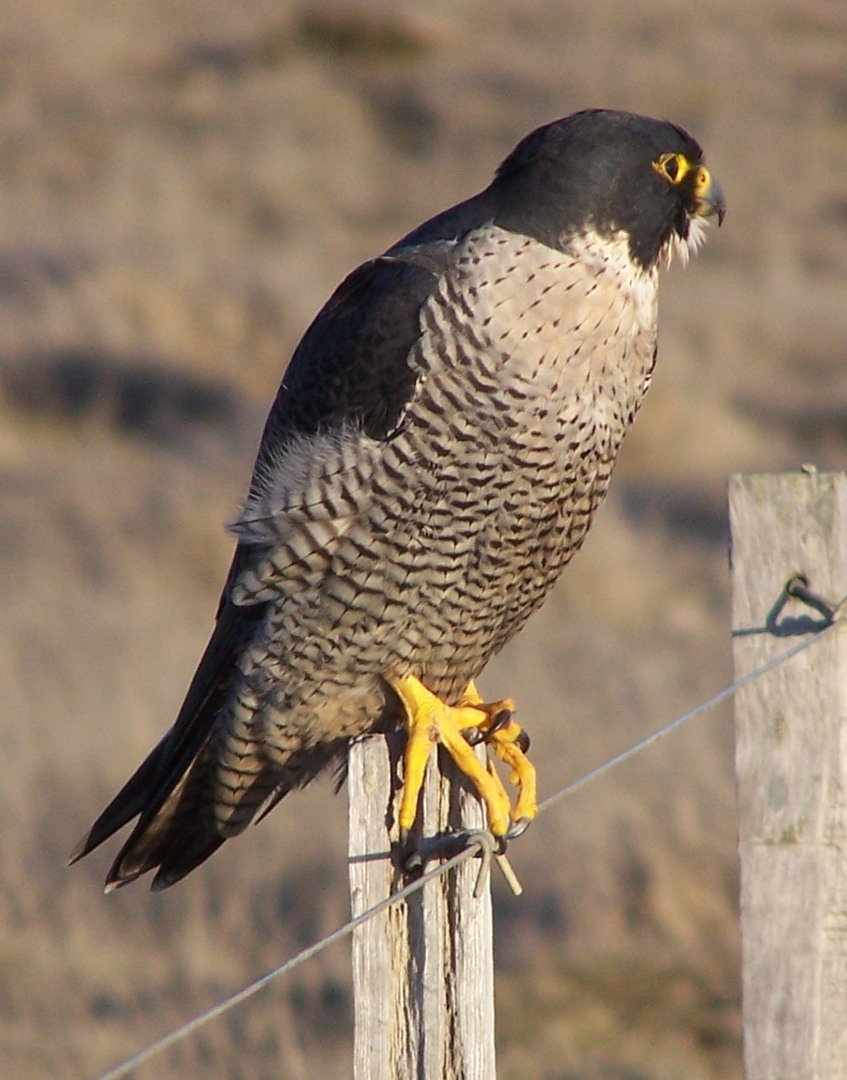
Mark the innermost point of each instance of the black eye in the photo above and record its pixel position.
(672, 167)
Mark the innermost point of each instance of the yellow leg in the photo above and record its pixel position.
(430, 722)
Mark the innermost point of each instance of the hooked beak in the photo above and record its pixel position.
(709, 198)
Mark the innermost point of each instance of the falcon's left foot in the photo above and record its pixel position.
(458, 729)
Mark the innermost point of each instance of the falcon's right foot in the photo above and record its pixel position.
(457, 728)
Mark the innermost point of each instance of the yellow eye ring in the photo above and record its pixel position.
(672, 167)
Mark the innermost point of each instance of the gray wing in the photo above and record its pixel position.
(351, 369)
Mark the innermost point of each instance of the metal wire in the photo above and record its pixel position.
(709, 703)
(301, 957)
(475, 845)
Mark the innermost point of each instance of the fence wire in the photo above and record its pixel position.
(475, 847)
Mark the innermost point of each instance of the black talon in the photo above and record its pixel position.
(474, 736)
(500, 721)
(517, 828)
(523, 742)
(412, 864)
(407, 856)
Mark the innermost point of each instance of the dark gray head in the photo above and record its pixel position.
(609, 172)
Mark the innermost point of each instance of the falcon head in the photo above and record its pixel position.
(612, 173)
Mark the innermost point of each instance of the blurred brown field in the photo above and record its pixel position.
(181, 185)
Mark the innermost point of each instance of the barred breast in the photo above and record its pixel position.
(425, 553)
(535, 362)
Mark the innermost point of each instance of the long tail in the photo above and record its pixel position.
(173, 791)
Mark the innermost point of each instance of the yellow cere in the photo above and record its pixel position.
(703, 181)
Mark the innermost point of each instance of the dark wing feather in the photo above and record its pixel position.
(352, 367)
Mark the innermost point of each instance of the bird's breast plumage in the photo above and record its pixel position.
(424, 553)
(533, 362)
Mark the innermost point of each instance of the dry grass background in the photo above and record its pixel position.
(182, 185)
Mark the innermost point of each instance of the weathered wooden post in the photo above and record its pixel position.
(791, 762)
(423, 972)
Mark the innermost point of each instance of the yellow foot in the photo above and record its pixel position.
(510, 743)
(431, 721)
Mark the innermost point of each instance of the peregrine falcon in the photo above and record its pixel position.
(440, 442)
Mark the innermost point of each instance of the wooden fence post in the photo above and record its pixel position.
(791, 764)
(423, 971)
